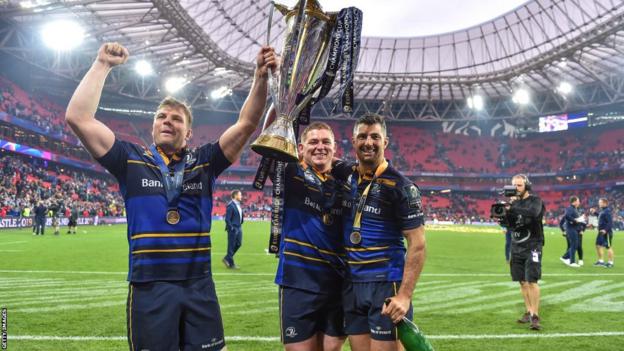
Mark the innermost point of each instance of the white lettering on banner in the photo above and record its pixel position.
(16, 222)
(151, 183)
(25, 222)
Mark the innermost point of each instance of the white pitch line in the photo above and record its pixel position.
(522, 336)
(59, 272)
(71, 307)
(277, 339)
(13, 242)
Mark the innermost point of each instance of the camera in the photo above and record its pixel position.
(500, 213)
(508, 191)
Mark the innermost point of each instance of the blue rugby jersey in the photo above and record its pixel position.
(159, 250)
(310, 250)
(392, 206)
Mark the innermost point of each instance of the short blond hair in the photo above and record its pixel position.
(317, 126)
(170, 101)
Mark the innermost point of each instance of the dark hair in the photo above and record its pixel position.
(573, 199)
(371, 119)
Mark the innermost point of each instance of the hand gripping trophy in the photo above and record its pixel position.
(318, 45)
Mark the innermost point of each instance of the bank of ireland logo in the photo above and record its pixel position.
(291, 332)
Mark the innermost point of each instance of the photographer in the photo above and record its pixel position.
(524, 216)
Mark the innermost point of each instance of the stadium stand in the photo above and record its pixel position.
(596, 154)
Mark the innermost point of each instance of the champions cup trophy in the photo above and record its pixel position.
(317, 44)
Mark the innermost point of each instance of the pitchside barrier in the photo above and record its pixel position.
(26, 222)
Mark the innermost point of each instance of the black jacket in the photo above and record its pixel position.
(525, 217)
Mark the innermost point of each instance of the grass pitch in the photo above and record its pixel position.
(69, 292)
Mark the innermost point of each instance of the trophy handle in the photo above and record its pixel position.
(272, 84)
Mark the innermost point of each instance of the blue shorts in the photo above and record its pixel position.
(174, 315)
(604, 240)
(305, 313)
(362, 305)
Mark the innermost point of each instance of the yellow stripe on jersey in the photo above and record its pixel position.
(137, 252)
(167, 235)
(196, 167)
(306, 257)
(368, 261)
(142, 163)
(372, 248)
(309, 245)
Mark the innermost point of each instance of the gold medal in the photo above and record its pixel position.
(355, 238)
(328, 219)
(173, 217)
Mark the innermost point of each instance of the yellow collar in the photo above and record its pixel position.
(322, 176)
(177, 156)
(370, 175)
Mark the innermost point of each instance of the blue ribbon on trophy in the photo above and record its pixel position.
(317, 44)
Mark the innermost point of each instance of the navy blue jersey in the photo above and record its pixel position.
(159, 250)
(571, 215)
(393, 205)
(311, 243)
(605, 220)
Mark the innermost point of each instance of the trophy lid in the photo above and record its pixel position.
(313, 8)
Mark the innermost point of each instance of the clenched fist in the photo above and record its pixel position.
(112, 54)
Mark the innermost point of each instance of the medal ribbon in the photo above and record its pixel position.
(172, 178)
(357, 218)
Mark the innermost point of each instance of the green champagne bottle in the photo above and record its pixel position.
(411, 337)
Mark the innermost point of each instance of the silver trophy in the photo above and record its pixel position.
(304, 61)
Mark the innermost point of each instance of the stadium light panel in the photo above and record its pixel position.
(521, 97)
(475, 102)
(564, 88)
(220, 93)
(62, 35)
(143, 68)
(174, 84)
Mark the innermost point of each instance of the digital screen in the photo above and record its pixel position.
(577, 120)
(553, 123)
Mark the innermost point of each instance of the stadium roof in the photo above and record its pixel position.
(536, 45)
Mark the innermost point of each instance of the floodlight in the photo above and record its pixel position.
(565, 88)
(220, 92)
(475, 102)
(521, 97)
(62, 35)
(174, 84)
(143, 68)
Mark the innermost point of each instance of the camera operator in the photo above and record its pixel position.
(524, 217)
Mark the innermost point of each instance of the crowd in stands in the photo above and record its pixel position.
(41, 111)
(411, 149)
(26, 181)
